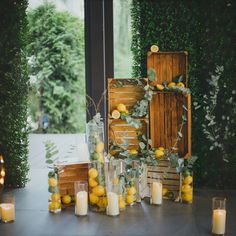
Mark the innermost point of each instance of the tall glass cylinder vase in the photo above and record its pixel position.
(54, 204)
(115, 179)
(131, 187)
(97, 187)
(95, 139)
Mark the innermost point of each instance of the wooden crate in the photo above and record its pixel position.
(71, 173)
(131, 91)
(172, 180)
(168, 65)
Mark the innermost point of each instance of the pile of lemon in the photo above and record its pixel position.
(130, 195)
(160, 152)
(54, 204)
(97, 195)
(170, 85)
(187, 190)
(120, 109)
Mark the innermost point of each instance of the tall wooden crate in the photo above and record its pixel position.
(127, 92)
(166, 110)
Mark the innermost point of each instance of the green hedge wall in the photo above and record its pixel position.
(13, 91)
(206, 29)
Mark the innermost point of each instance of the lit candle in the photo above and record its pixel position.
(2, 181)
(7, 212)
(113, 204)
(3, 173)
(156, 193)
(81, 207)
(218, 221)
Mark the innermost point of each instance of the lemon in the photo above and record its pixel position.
(188, 180)
(171, 85)
(161, 148)
(159, 153)
(93, 173)
(133, 152)
(187, 197)
(129, 199)
(186, 188)
(66, 199)
(159, 87)
(164, 191)
(102, 202)
(55, 197)
(115, 114)
(99, 147)
(93, 198)
(122, 204)
(131, 191)
(92, 183)
(154, 48)
(116, 180)
(99, 190)
(121, 107)
(101, 157)
(52, 206)
(180, 84)
(52, 182)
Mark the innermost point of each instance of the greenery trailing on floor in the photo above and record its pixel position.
(206, 29)
(56, 66)
(13, 92)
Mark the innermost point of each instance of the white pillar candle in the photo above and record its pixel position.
(112, 204)
(218, 221)
(156, 193)
(81, 207)
(7, 212)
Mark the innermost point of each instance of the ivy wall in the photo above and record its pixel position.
(206, 29)
(13, 91)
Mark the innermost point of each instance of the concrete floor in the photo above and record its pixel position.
(170, 219)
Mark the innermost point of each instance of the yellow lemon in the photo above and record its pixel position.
(122, 204)
(116, 180)
(121, 107)
(92, 183)
(187, 197)
(52, 206)
(129, 199)
(115, 114)
(93, 173)
(133, 152)
(188, 180)
(99, 190)
(102, 202)
(131, 191)
(154, 48)
(93, 198)
(100, 147)
(159, 87)
(66, 199)
(186, 188)
(171, 85)
(55, 197)
(161, 148)
(180, 84)
(159, 153)
(101, 157)
(164, 191)
(52, 182)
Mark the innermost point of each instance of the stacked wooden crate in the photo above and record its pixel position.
(166, 110)
(127, 92)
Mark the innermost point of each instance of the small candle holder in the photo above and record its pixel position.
(81, 198)
(113, 200)
(156, 192)
(218, 215)
(7, 208)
